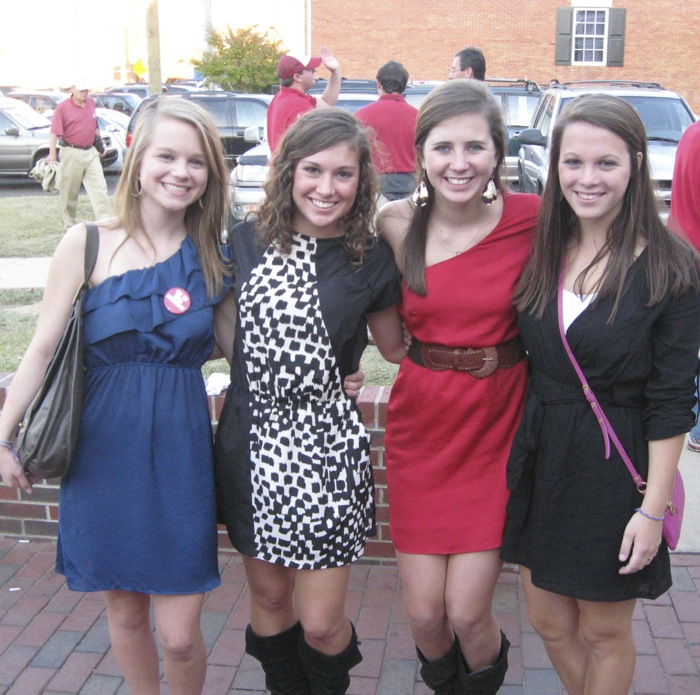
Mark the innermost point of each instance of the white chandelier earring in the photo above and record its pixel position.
(490, 193)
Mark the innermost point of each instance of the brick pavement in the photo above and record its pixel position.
(55, 641)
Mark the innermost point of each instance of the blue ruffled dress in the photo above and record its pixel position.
(137, 509)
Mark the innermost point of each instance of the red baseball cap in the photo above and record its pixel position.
(291, 65)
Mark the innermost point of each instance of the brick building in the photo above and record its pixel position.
(651, 40)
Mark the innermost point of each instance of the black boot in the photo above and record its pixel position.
(279, 656)
(441, 675)
(329, 675)
(484, 681)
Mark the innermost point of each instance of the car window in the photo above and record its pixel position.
(249, 113)
(545, 115)
(5, 123)
(663, 117)
(220, 110)
(518, 109)
(28, 118)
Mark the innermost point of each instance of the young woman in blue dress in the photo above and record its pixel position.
(137, 510)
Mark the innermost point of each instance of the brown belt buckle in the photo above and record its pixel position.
(489, 355)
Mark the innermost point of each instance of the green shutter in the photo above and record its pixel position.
(616, 37)
(562, 50)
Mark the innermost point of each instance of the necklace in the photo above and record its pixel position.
(470, 243)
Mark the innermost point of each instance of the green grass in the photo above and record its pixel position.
(18, 314)
(32, 226)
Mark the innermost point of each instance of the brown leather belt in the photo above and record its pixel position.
(479, 362)
(63, 143)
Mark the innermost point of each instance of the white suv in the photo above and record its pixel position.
(665, 115)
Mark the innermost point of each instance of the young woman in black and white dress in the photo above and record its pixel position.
(293, 473)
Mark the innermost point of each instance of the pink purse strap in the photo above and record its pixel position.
(603, 422)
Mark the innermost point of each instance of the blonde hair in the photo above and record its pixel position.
(206, 217)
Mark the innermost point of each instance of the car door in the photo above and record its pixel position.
(534, 159)
(14, 146)
(247, 113)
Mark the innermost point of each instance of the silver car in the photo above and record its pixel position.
(665, 115)
(24, 137)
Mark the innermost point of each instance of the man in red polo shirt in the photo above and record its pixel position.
(296, 73)
(73, 128)
(393, 121)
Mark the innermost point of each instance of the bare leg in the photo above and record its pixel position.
(607, 629)
(556, 620)
(178, 626)
(471, 582)
(320, 601)
(133, 641)
(271, 596)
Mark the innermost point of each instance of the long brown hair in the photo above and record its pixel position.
(672, 263)
(451, 99)
(314, 132)
(205, 218)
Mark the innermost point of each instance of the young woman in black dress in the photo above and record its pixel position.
(588, 542)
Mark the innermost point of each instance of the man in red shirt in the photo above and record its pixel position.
(73, 128)
(296, 73)
(393, 121)
(684, 217)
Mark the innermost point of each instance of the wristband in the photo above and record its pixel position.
(639, 510)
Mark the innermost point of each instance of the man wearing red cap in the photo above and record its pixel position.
(296, 73)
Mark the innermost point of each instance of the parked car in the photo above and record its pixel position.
(126, 103)
(142, 91)
(232, 114)
(518, 99)
(665, 115)
(113, 125)
(250, 173)
(24, 137)
(42, 102)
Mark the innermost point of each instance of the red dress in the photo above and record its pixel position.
(449, 434)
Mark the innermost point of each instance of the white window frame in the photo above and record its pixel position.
(575, 36)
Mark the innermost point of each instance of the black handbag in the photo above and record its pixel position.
(49, 430)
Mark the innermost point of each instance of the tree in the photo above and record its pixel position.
(241, 61)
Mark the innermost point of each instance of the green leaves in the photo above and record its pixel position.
(241, 61)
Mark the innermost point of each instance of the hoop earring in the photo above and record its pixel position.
(490, 193)
(200, 203)
(420, 196)
(138, 189)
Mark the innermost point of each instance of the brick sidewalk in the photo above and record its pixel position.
(55, 641)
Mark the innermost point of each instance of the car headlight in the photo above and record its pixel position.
(248, 173)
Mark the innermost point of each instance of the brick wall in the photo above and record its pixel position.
(517, 37)
(35, 516)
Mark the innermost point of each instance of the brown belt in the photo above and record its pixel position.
(479, 362)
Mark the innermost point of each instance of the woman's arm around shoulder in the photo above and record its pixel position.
(64, 278)
(225, 315)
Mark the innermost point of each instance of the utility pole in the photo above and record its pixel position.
(155, 80)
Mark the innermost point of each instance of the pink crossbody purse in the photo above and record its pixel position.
(673, 514)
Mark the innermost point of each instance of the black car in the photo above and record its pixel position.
(232, 114)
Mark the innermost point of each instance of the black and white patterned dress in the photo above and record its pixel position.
(294, 481)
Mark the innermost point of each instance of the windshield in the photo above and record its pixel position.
(665, 118)
(518, 109)
(26, 116)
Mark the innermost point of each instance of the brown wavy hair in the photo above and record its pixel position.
(314, 132)
(672, 264)
(205, 218)
(454, 98)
